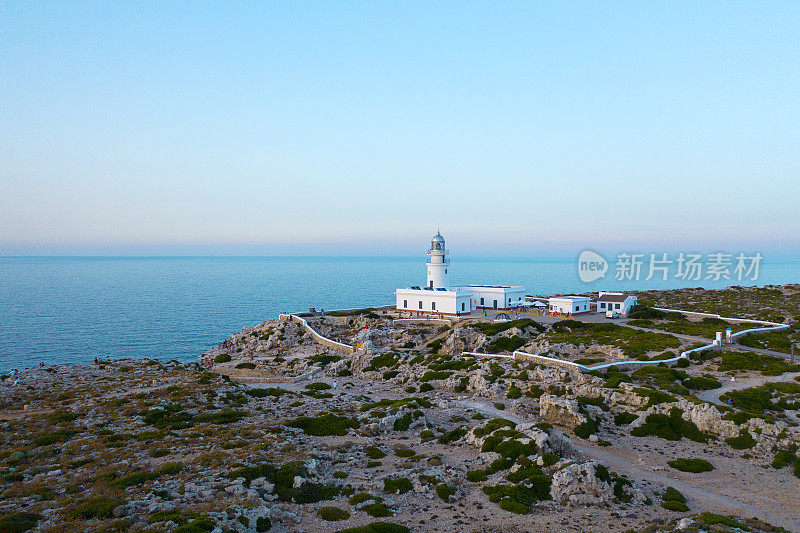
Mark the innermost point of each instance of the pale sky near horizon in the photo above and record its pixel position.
(359, 127)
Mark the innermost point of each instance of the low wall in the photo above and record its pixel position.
(325, 341)
(726, 318)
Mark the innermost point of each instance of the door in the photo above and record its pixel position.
(495, 305)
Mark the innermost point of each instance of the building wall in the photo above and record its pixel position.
(623, 309)
(502, 295)
(448, 303)
(569, 306)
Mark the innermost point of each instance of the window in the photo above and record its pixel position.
(602, 305)
(617, 306)
(431, 284)
(462, 306)
(481, 301)
(433, 306)
(405, 304)
(420, 304)
(445, 271)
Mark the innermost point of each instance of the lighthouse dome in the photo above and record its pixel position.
(437, 243)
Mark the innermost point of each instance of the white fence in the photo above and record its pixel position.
(325, 341)
(552, 361)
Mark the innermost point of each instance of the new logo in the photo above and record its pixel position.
(591, 266)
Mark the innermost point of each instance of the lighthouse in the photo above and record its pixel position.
(437, 297)
(438, 263)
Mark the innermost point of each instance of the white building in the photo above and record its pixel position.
(497, 296)
(615, 301)
(438, 297)
(569, 305)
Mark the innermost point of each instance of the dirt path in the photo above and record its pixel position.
(743, 383)
(716, 503)
(631, 468)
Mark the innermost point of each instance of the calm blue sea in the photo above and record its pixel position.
(71, 310)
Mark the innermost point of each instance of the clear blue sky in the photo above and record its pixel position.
(359, 127)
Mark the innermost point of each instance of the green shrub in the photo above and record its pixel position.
(598, 402)
(318, 386)
(768, 365)
(711, 519)
(170, 469)
(18, 522)
(672, 427)
(387, 360)
(691, 465)
(399, 485)
(549, 458)
(377, 510)
(324, 425)
(705, 382)
(476, 476)
(452, 435)
(246, 366)
(94, 507)
(201, 524)
(673, 495)
(435, 375)
(133, 479)
(226, 416)
(362, 497)
(586, 429)
(373, 452)
(743, 441)
(332, 514)
(493, 328)
(624, 418)
(263, 524)
(783, 458)
(378, 527)
(340, 474)
(405, 452)
(756, 399)
(269, 391)
(678, 507)
(445, 491)
(655, 397)
(505, 344)
(519, 498)
(61, 435)
(62, 416)
(425, 387)
(514, 393)
(222, 358)
(171, 416)
(403, 423)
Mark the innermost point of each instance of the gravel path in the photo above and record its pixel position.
(743, 383)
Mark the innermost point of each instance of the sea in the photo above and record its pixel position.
(57, 310)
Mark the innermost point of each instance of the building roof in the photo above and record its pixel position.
(612, 298)
(437, 238)
(569, 298)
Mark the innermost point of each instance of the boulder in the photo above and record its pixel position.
(560, 411)
(578, 484)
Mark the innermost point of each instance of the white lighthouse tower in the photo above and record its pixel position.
(438, 264)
